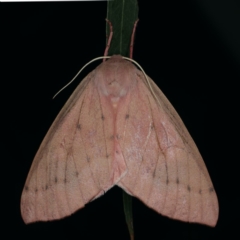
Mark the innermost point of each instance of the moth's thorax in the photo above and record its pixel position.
(115, 77)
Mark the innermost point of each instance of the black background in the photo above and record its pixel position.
(189, 48)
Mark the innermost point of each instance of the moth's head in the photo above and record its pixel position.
(115, 76)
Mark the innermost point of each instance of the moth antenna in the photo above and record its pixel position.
(132, 39)
(107, 57)
(93, 60)
(109, 38)
(145, 75)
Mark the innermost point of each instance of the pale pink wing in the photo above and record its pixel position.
(165, 168)
(74, 162)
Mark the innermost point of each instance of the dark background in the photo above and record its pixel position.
(189, 48)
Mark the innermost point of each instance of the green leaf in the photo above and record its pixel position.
(122, 14)
(127, 205)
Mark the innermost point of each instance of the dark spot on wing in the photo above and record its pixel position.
(55, 180)
(211, 189)
(36, 190)
(200, 191)
(26, 188)
(88, 158)
(112, 137)
(127, 116)
(154, 173)
(103, 117)
(111, 81)
(188, 188)
(107, 156)
(79, 126)
(117, 152)
(65, 180)
(77, 173)
(177, 181)
(46, 187)
(167, 180)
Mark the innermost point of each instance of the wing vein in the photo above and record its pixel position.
(104, 130)
(65, 180)
(164, 156)
(189, 196)
(74, 160)
(156, 163)
(85, 147)
(177, 161)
